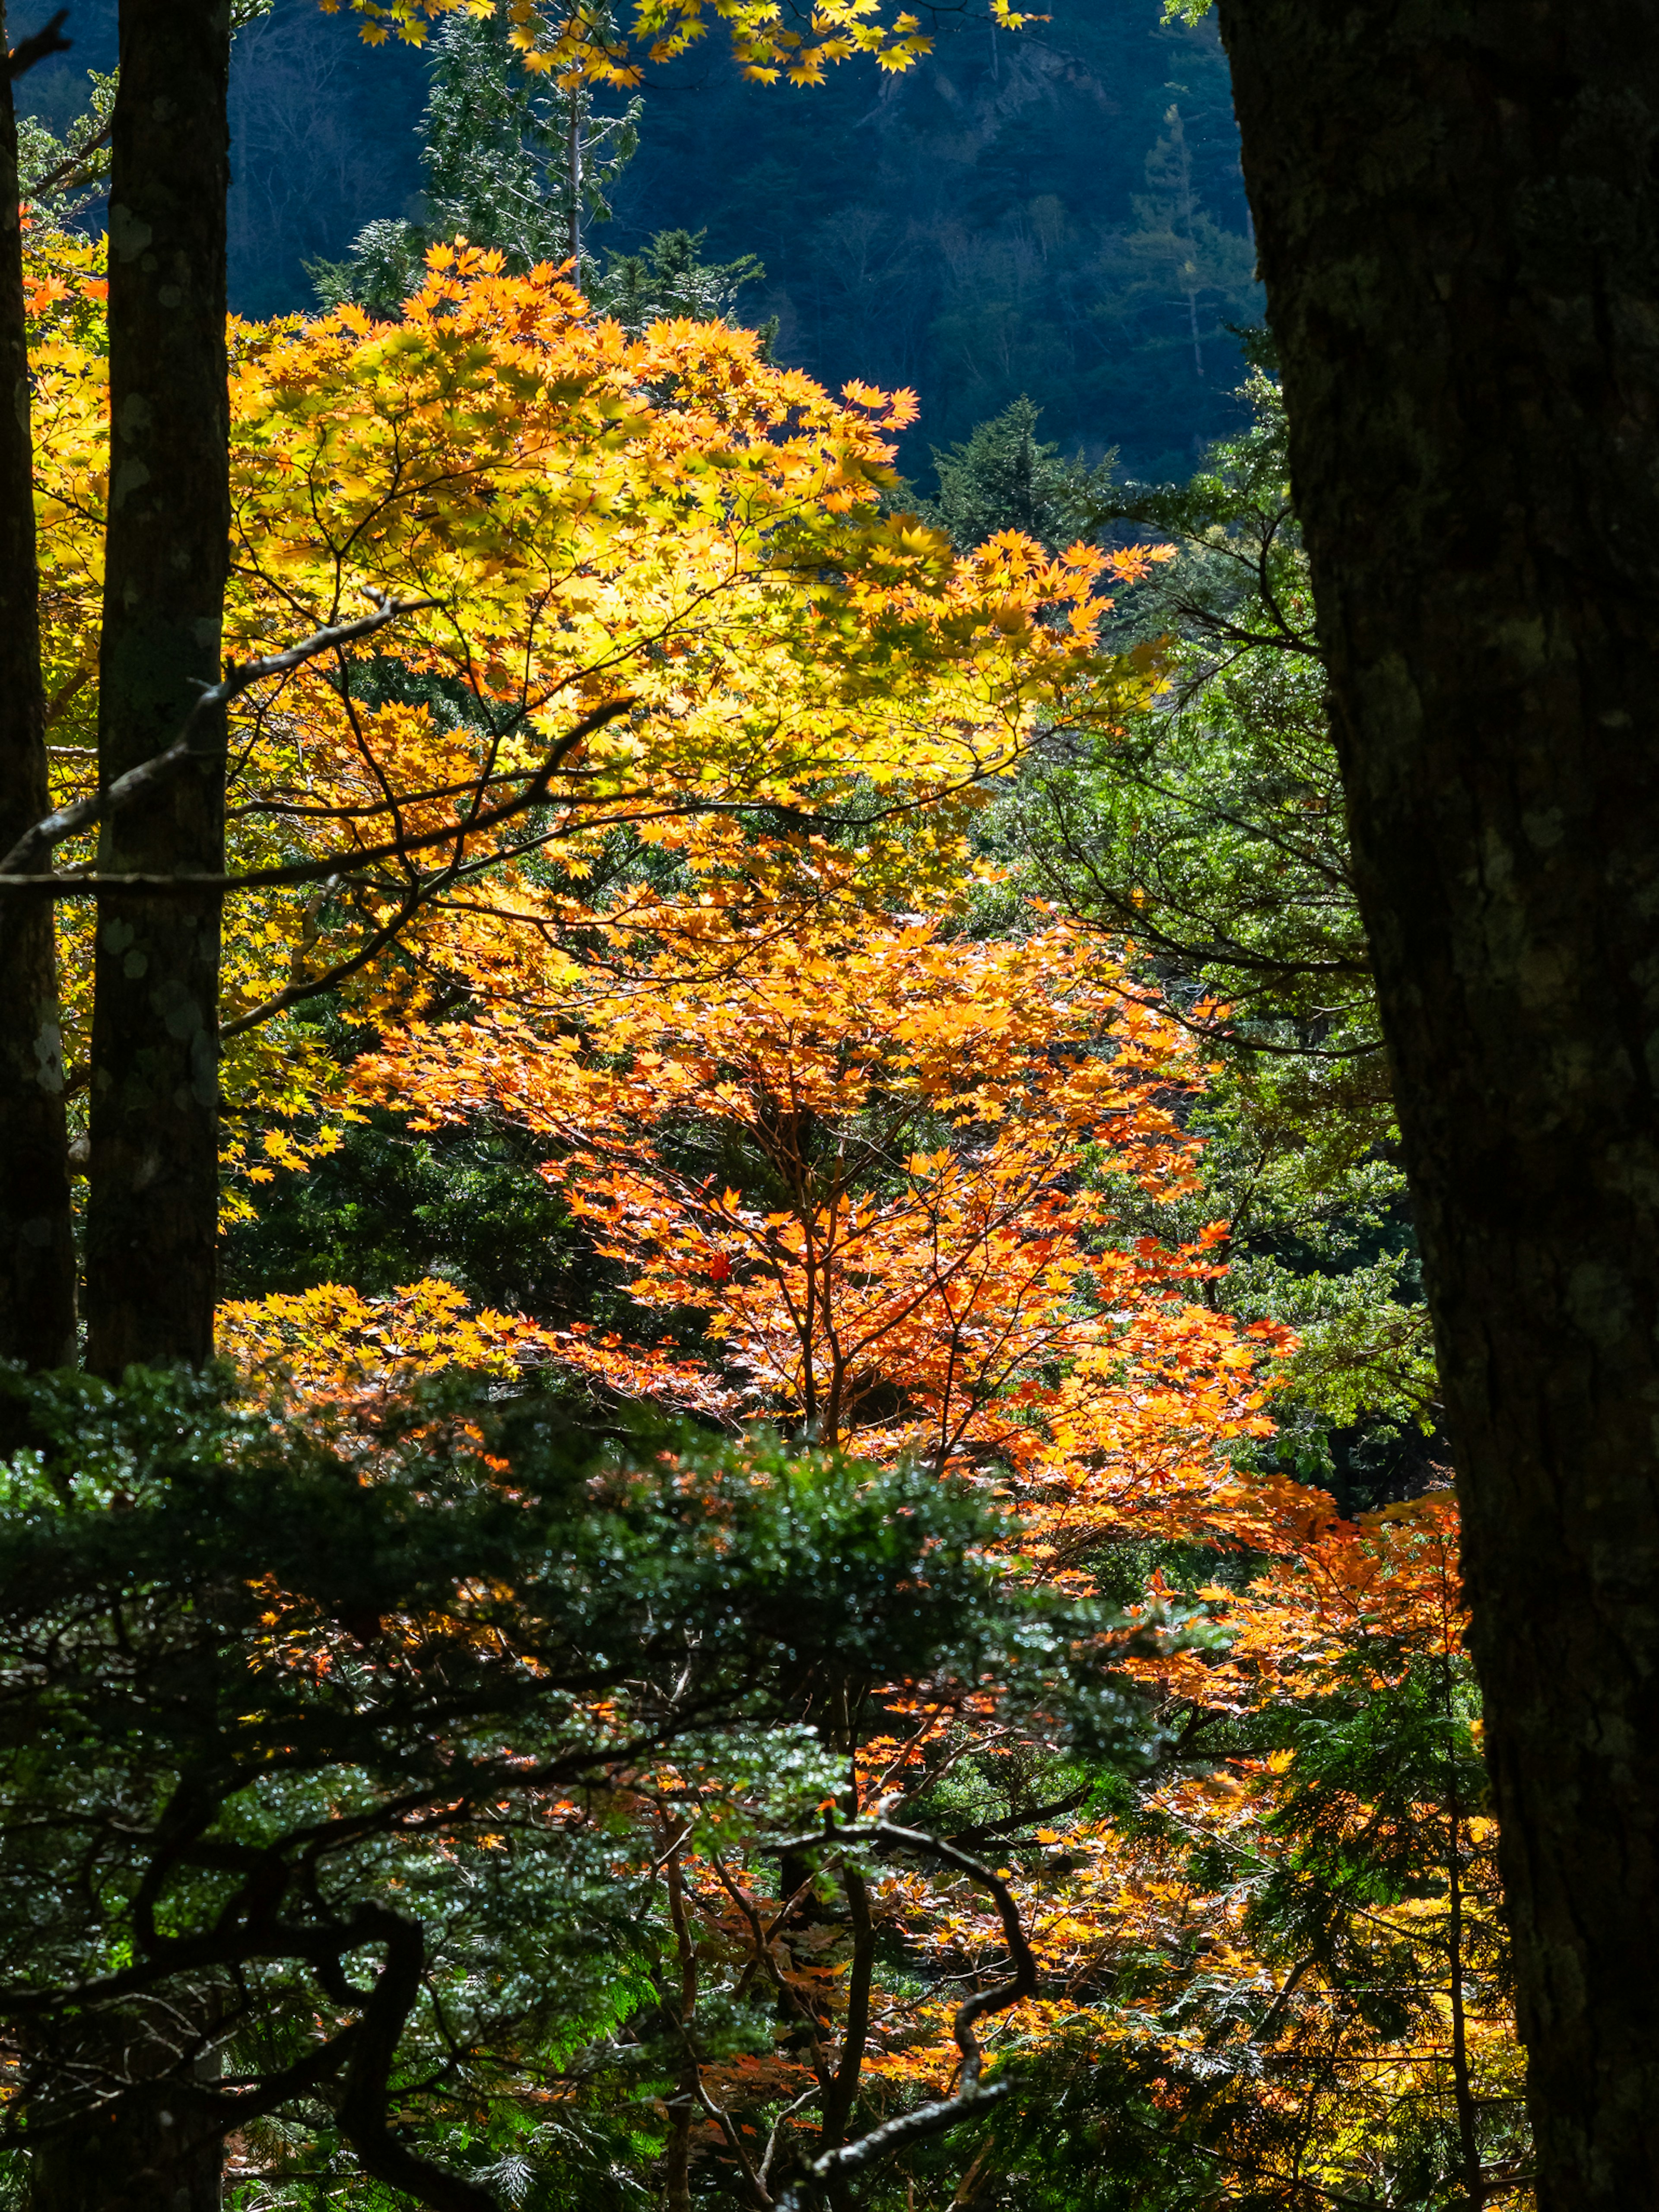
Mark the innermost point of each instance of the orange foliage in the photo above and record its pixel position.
(913, 1249)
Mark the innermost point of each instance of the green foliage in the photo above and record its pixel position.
(344, 1742)
(65, 171)
(670, 281)
(518, 164)
(390, 1208)
(1001, 477)
(1177, 255)
(508, 161)
(1211, 832)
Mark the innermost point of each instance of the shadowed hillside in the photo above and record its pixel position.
(1059, 213)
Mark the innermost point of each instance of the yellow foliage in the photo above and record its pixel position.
(660, 601)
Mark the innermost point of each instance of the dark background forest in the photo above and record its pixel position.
(1061, 214)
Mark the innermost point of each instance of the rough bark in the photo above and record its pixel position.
(1457, 203)
(36, 1250)
(153, 1166)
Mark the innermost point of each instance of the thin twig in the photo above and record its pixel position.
(26, 856)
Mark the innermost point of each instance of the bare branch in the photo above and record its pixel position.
(534, 794)
(26, 856)
(722, 2120)
(772, 2140)
(27, 52)
(933, 2119)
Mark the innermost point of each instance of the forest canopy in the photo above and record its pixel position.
(725, 1476)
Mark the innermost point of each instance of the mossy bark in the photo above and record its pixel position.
(1457, 203)
(36, 1250)
(151, 1226)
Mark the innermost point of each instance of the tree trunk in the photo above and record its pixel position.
(1457, 210)
(143, 2155)
(36, 1250)
(151, 1224)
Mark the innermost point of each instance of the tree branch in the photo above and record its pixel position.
(303, 871)
(65, 172)
(987, 1828)
(27, 52)
(294, 994)
(843, 2088)
(26, 856)
(362, 2113)
(849, 2159)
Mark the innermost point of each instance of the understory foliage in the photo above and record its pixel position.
(1209, 829)
(524, 1800)
(347, 1742)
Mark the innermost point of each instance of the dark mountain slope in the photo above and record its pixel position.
(1059, 213)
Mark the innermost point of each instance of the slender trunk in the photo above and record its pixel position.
(972, 2185)
(1469, 2140)
(844, 2086)
(151, 1223)
(36, 1250)
(1188, 217)
(677, 2189)
(1457, 212)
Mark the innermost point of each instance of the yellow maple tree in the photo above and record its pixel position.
(771, 40)
(650, 596)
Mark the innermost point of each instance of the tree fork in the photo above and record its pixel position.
(151, 1224)
(37, 1250)
(1457, 211)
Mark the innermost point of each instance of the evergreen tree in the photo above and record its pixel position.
(509, 161)
(1178, 254)
(668, 280)
(1002, 478)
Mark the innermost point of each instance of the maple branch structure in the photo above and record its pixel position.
(846, 2160)
(330, 865)
(193, 742)
(38, 47)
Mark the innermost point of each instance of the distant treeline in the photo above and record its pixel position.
(1059, 213)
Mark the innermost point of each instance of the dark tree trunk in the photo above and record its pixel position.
(37, 1251)
(1457, 207)
(154, 1167)
(144, 2155)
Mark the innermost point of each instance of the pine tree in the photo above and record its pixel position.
(668, 280)
(1178, 253)
(510, 162)
(1002, 478)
